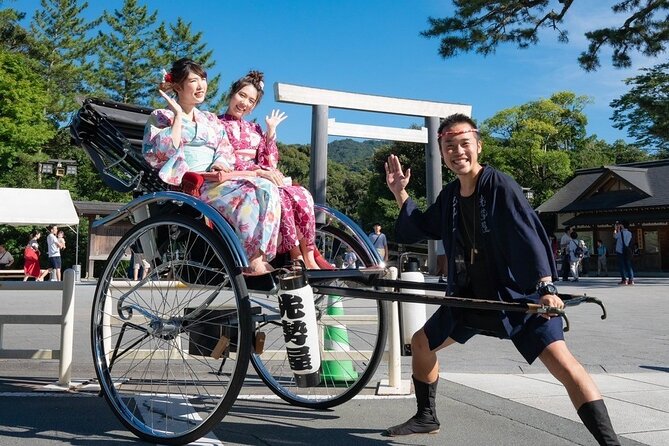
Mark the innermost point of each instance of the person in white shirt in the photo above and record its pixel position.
(54, 246)
(624, 252)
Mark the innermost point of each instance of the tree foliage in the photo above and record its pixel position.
(644, 110)
(127, 64)
(556, 123)
(532, 142)
(61, 38)
(294, 162)
(355, 154)
(24, 128)
(628, 153)
(593, 152)
(13, 37)
(178, 40)
(482, 25)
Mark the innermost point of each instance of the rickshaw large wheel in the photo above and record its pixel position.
(171, 350)
(352, 335)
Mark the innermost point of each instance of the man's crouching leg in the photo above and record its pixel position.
(425, 421)
(425, 378)
(582, 391)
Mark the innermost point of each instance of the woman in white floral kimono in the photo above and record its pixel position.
(184, 139)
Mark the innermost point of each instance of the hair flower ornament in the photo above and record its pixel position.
(167, 77)
(261, 84)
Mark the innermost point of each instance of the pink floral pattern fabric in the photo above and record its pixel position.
(251, 205)
(253, 150)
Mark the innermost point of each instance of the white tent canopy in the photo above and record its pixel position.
(30, 207)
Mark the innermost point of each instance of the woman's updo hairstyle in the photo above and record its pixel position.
(254, 78)
(179, 72)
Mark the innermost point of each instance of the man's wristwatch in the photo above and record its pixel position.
(544, 288)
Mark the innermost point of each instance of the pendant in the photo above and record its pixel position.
(472, 252)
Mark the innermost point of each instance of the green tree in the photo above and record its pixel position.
(482, 25)
(127, 54)
(345, 188)
(178, 40)
(533, 142)
(559, 121)
(294, 162)
(628, 153)
(593, 152)
(24, 128)
(644, 110)
(13, 37)
(62, 39)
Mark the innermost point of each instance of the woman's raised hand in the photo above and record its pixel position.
(273, 120)
(171, 103)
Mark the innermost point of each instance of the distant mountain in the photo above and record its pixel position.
(354, 154)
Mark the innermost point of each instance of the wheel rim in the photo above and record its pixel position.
(156, 341)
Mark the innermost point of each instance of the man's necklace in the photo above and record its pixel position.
(472, 240)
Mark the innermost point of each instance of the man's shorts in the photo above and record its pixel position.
(146, 265)
(54, 262)
(535, 335)
(440, 248)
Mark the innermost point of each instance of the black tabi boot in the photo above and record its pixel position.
(425, 421)
(596, 418)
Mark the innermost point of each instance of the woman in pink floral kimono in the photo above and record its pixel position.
(182, 139)
(257, 152)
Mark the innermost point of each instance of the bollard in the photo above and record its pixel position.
(300, 332)
(412, 315)
(67, 330)
(77, 273)
(394, 385)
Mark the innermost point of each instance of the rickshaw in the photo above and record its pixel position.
(171, 350)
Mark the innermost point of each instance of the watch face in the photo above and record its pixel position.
(547, 288)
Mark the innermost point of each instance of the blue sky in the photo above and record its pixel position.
(374, 47)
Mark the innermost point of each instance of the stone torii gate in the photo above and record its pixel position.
(321, 127)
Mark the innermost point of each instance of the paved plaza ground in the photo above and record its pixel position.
(487, 394)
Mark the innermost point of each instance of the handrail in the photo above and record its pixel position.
(65, 319)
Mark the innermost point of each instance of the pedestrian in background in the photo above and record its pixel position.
(602, 252)
(6, 259)
(575, 254)
(31, 253)
(585, 260)
(379, 241)
(564, 246)
(54, 247)
(624, 252)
